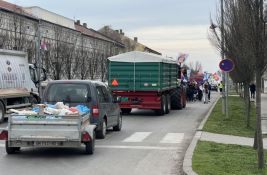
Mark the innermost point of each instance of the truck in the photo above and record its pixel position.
(18, 82)
(44, 130)
(146, 81)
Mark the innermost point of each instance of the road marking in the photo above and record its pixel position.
(137, 137)
(137, 147)
(173, 138)
(131, 147)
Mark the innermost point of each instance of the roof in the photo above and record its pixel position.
(9, 6)
(94, 34)
(76, 81)
(14, 8)
(139, 57)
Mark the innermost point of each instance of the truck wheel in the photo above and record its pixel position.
(10, 150)
(176, 99)
(168, 104)
(2, 112)
(126, 110)
(90, 146)
(162, 109)
(101, 134)
(118, 126)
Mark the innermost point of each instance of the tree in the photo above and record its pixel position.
(245, 44)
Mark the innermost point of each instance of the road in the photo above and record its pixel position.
(147, 145)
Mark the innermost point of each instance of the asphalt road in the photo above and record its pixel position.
(147, 145)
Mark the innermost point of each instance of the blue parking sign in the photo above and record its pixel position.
(226, 65)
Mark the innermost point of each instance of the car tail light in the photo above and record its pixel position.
(4, 135)
(86, 137)
(95, 111)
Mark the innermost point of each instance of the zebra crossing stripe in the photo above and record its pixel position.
(173, 138)
(137, 137)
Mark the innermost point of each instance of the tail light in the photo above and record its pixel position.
(86, 137)
(4, 135)
(95, 111)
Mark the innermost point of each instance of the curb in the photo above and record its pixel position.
(187, 162)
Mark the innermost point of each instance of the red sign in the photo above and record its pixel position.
(115, 83)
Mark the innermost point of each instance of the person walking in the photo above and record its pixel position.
(220, 85)
(209, 91)
(252, 88)
(205, 92)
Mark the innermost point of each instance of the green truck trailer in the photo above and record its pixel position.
(146, 81)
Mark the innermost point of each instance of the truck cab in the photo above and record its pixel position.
(18, 81)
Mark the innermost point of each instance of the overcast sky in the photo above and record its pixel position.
(168, 26)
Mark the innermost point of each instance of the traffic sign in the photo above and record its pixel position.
(226, 65)
(115, 83)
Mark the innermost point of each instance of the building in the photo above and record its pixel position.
(130, 44)
(68, 50)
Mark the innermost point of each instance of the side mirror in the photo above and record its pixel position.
(43, 76)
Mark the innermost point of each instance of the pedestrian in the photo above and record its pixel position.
(205, 92)
(209, 91)
(252, 88)
(220, 85)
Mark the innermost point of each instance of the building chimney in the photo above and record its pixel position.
(135, 39)
(78, 22)
(85, 25)
(120, 31)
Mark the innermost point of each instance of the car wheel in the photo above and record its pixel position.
(2, 112)
(90, 146)
(10, 150)
(119, 125)
(101, 134)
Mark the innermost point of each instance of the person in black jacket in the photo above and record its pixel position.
(252, 88)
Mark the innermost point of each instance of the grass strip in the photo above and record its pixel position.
(219, 159)
(236, 124)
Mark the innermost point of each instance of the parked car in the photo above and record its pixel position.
(105, 110)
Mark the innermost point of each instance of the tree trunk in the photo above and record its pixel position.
(258, 128)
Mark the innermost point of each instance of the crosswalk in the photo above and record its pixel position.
(168, 138)
(137, 137)
(142, 137)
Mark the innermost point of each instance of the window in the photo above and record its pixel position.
(100, 94)
(68, 93)
(106, 95)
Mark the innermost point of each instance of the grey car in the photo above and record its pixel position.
(105, 110)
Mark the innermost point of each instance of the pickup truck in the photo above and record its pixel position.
(29, 129)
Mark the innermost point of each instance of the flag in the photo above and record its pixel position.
(182, 57)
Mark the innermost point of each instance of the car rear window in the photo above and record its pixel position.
(68, 93)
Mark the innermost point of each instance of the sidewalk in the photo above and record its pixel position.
(224, 139)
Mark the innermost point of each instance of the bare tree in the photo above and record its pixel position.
(245, 43)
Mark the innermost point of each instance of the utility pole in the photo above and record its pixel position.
(224, 105)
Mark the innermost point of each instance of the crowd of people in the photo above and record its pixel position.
(198, 91)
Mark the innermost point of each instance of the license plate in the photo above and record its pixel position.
(45, 143)
(124, 98)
